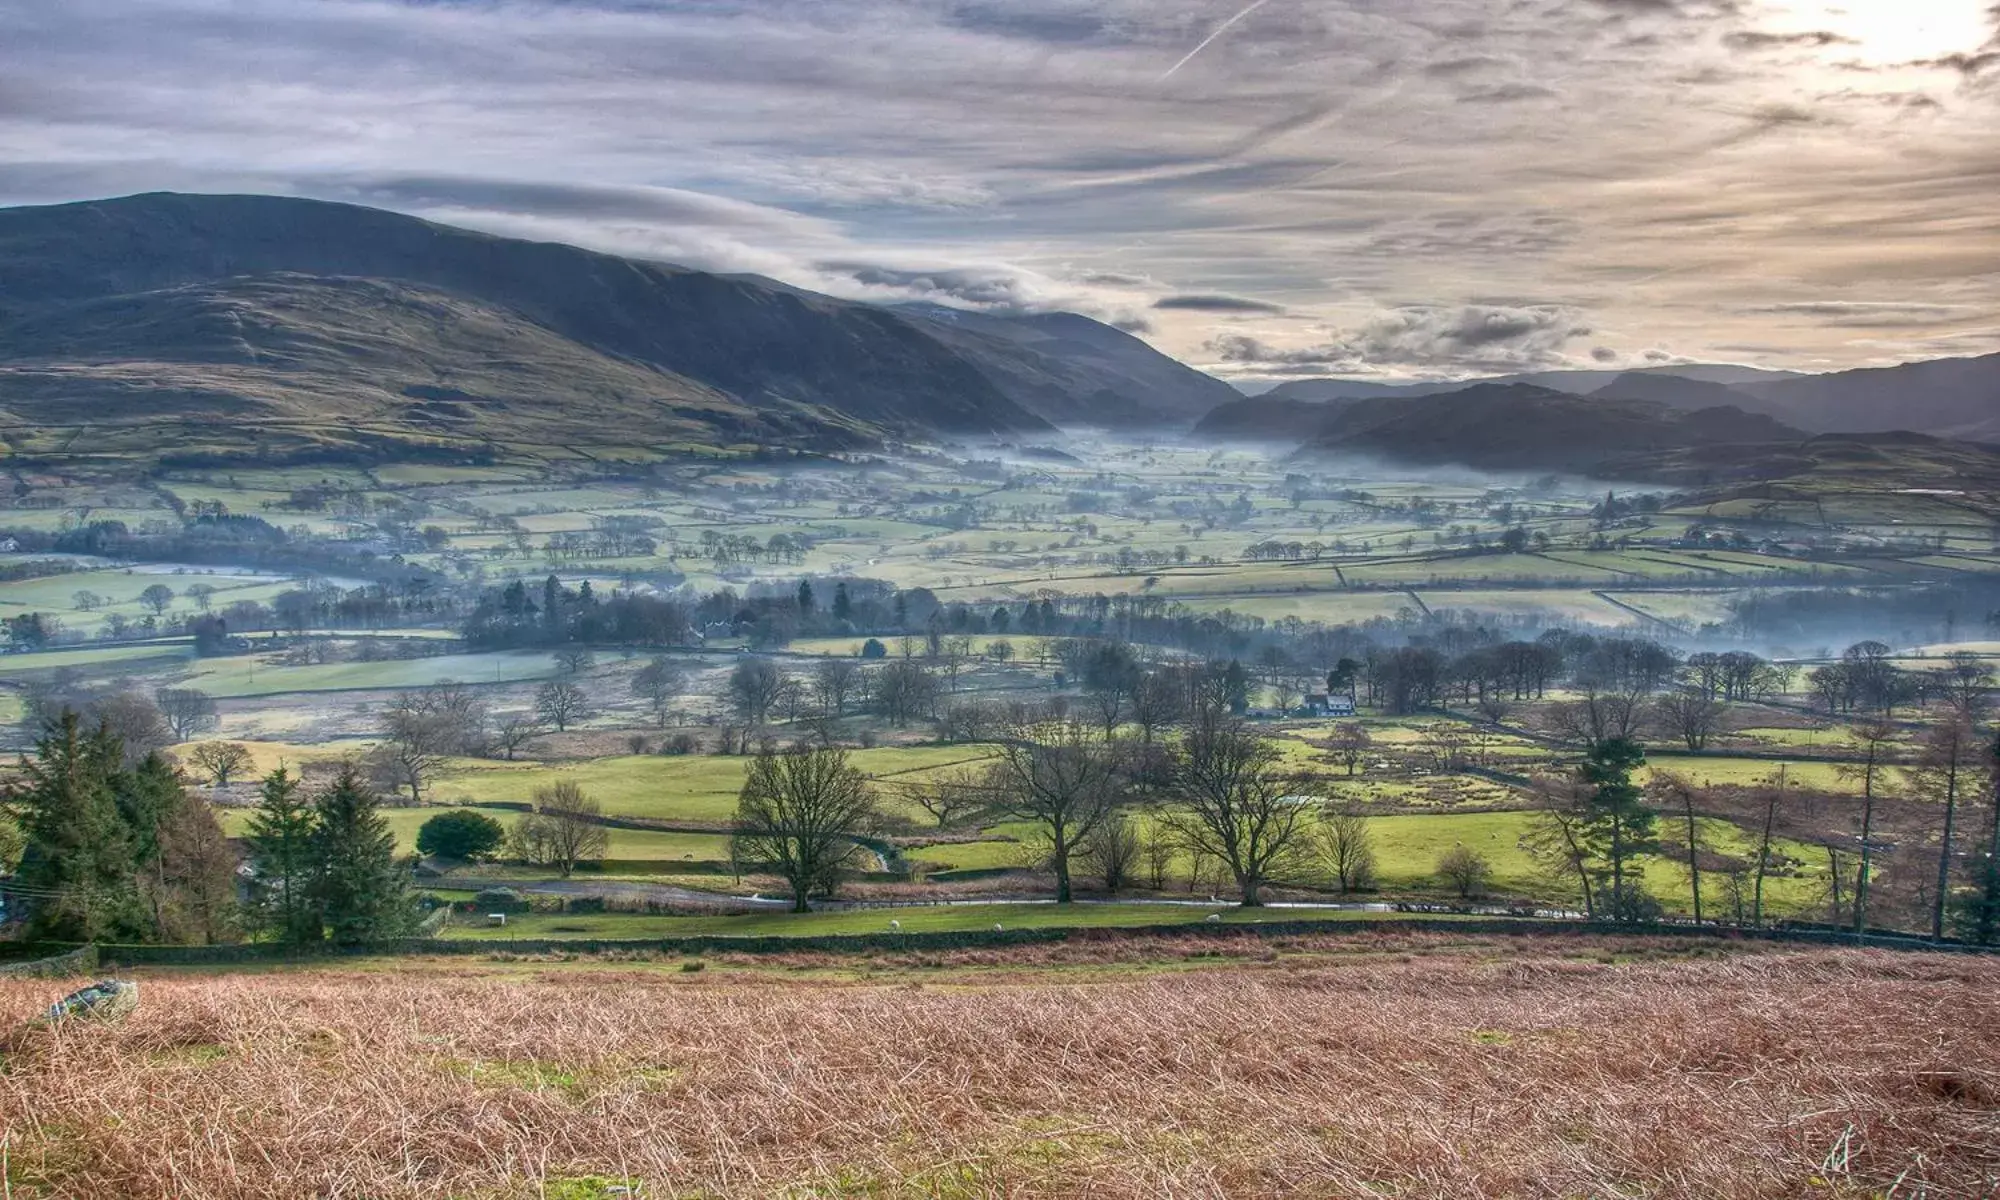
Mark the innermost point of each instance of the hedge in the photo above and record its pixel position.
(80, 960)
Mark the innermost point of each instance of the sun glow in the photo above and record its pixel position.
(1888, 32)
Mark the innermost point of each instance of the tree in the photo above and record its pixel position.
(1977, 914)
(362, 894)
(834, 681)
(461, 834)
(282, 837)
(1064, 779)
(1113, 852)
(566, 828)
(951, 797)
(423, 729)
(799, 816)
(1618, 826)
(755, 687)
(575, 660)
(79, 859)
(1465, 870)
(659, 683)
(156, 597)
(1877, 741)
(1350, 744)
(1683, 789)
(220, 760)
(1348, 848)
(1690, 715)
(561, 704)
(515, 731)
(86, 601)
(187, 711)
(1231, 797)
(1946, 770)
(203, 595)
(905, 690)
(194, 874)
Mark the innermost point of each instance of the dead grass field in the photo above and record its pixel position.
(1378, 1064)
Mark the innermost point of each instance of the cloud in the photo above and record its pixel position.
(1215, 303)
(1368, 169)
(1428, 338)
(1868, 313)
(1752, 40)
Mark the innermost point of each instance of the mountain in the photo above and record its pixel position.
(1948, 397)
(1522, 427)
(1272, 418)
(1575, 382)
(271, 325)
(1072, 370)
(1676, 391)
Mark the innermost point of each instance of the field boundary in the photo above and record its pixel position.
(772, 944)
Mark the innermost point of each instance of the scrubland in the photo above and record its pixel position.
(1385, 1063)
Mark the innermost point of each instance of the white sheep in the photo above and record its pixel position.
(896, 925)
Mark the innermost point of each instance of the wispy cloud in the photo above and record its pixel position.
(1298, 185)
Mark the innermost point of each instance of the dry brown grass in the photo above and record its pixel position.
(1415, 1066)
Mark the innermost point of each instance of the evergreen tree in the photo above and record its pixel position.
(805, 597)
(1618, 825)
(362, 892)
(843, 607)
(282, 844)
(1976, 913)
(76, 871)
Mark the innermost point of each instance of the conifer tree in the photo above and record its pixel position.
(362, 892)
(76, 873)
(281, 836)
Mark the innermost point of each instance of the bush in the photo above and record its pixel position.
(681, 743)
(460, 833)
(500, 900)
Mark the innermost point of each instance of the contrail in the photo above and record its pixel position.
(1219, 31)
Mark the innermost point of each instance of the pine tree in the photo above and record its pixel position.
(843, 607)
(362, 893)
(805, 597)
(281, 837)
(1620, 826)
(76, 872)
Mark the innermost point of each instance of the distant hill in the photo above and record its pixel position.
(275, 325)
(1076, 371)
(1951, 397)
(1522, 427)
(1575, 382)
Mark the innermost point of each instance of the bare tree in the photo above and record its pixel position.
(575, 660)
(1113, 852)
(799, 816)
(1350, 744)
(1348, 848)
(565, 829)
(755, 687)
(834, 682)
(188, 711)
(1947, 769)
(1158, 852)
(905, 690)
(1600, 715)
(1683, 791)
(1877, 741)
(220, 760)
(515, 731)
(1690, 715)
(561, 704)
(1231, 796)
(659, 683)
(423, 729)
(1465, 870)
(1062, 777)
(1558, 838)
(952, 797)
(1158, 700)
(156, 597)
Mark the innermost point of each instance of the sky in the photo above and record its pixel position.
(1391, 189)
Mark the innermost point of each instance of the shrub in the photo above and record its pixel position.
(460, 833)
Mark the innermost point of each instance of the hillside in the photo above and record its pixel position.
(269, 325)
(1949, 397)
(1374, 1062)
(1072, 370)
(1575, 382)
(1517, 427)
